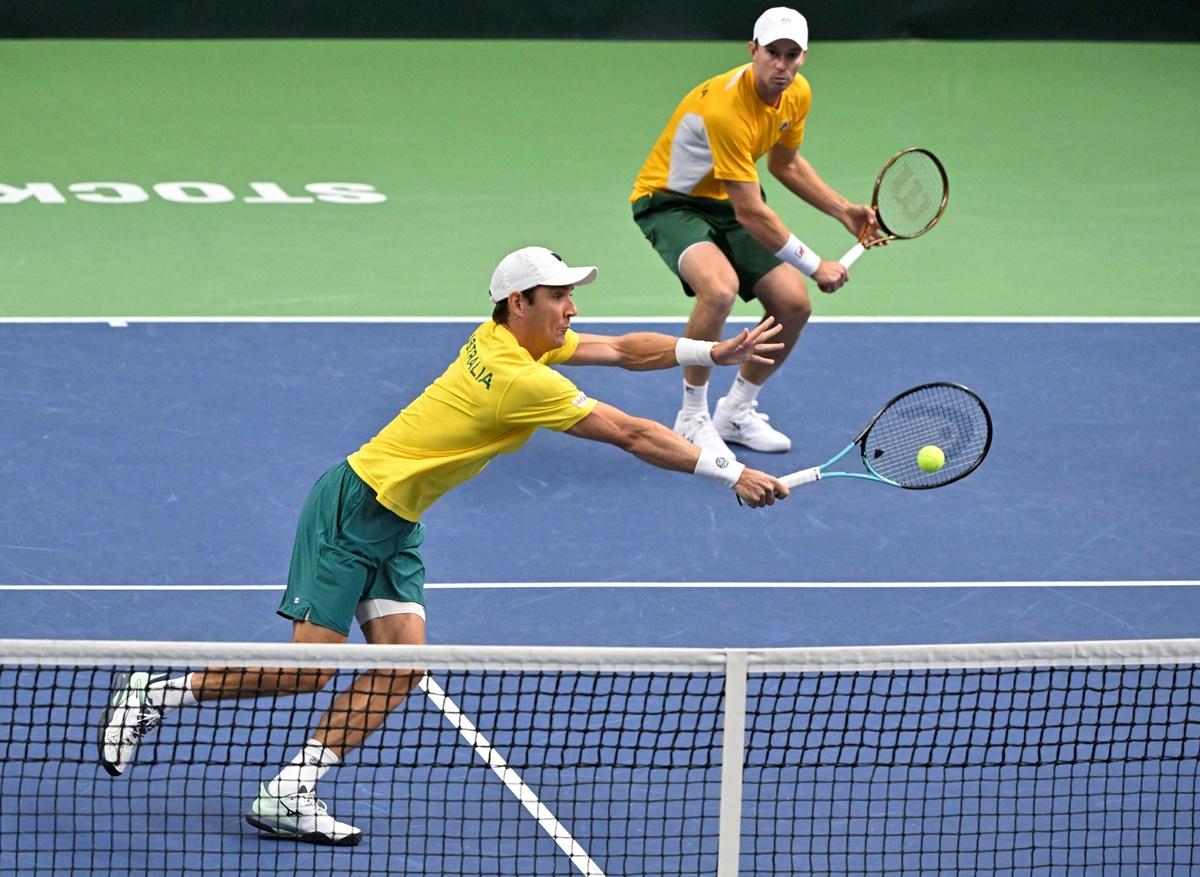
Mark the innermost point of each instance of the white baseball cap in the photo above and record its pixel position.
(535, 266)
(781, 23)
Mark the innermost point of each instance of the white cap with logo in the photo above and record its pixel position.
(781, 23)
(535, 266)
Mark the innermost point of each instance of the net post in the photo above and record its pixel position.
(732, 746)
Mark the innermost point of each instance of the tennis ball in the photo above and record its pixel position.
(930, 458)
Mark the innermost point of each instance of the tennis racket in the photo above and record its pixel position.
(910, 197)
(946, 415)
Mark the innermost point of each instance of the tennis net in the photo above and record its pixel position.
(1042, 759)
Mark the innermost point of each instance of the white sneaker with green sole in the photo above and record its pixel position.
(300, 817)
(127, 719)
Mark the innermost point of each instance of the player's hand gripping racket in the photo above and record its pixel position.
(910, 197)
(947, 416)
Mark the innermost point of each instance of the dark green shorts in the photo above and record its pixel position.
(350, 550)
(672, 223)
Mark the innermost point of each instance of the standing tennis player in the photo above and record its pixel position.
(698, 200)
(356, 554)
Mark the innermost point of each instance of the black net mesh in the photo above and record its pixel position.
(1018, 771)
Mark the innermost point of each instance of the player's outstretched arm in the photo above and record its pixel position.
(646, 351)
(655, 444)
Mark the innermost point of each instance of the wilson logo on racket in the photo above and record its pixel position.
(911, 196)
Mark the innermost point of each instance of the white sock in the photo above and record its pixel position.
(742, 394)
(304, 770)
(168, 694)
(695, 399)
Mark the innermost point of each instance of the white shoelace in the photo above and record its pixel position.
(148, 719)
(309, 798)
(753, 409)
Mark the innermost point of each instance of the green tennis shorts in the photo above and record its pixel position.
(672, 223)
(350, 549)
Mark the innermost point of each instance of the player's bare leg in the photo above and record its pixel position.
(231, 683)
(706, 270)
(139, 702)
(287, 806)
(784, 296)
(364, 706)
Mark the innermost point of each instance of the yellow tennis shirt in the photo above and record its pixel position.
(488, 402)
(718, 132)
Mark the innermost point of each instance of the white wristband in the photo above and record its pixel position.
(796, 253)
(719, 468)
(689, 351)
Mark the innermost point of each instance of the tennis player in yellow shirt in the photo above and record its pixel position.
(357, 555)
(698, 200)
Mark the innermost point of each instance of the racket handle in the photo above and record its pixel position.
(804, 476)
(852, 255)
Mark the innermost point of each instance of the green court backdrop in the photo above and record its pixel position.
(1073, 181)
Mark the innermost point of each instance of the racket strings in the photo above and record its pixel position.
(949, 417)
(911, 194)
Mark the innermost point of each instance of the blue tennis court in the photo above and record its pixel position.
(156, 469)
(161, 455)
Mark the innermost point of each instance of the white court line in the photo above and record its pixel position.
(503, 586)
(121, 322)
(511, 779)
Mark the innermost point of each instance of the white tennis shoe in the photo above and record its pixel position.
(127, 720)
(300, 817)
(746, 426)
(700, 431)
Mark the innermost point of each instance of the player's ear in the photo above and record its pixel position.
(750, 47)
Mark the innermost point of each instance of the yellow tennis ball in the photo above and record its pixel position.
(930, 458)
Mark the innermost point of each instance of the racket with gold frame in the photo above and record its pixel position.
(910, 197)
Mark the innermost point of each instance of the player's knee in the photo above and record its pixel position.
(792, 307)
(398, 681)
(283, 679)
(719, 297)
(796, 312)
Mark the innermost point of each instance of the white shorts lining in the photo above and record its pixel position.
(377, 607)
(686, 250)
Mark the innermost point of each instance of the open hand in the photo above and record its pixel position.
(749, 345)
